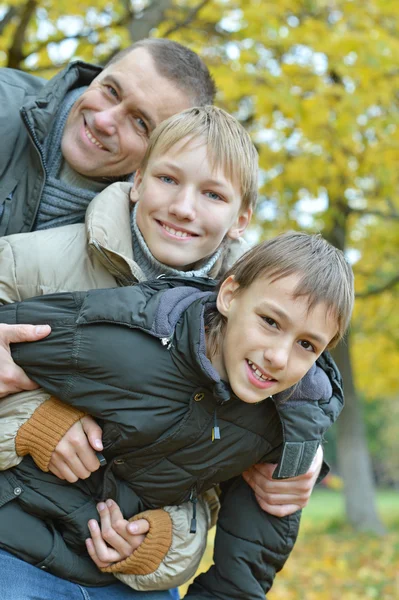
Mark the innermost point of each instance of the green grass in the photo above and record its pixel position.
(326, 510)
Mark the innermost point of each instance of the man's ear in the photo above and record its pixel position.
(240, 225)
(135, 189)
(226, 295)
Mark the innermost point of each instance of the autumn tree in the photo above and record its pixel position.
(316, 83)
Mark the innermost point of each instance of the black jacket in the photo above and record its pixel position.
(135, 358)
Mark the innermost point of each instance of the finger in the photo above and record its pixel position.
(13, 334)
(56, 472)
(129, 531)
(103, 552)
(93, 432)
(93, 554)
(110, 535)
(139, 527)
(72, 470)
(275, 492)
(75, 450)
(13, 378)
(62, 471)
(278, 510)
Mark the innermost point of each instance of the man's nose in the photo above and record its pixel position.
(183, 205)
(106, 121)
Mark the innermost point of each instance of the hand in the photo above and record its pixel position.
(117, 538)
(12, 378)
(282, 497)
(74, 456)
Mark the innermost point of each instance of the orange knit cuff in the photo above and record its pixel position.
(46, 427)
(151, 552)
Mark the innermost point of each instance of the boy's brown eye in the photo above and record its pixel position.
(270, 321)
(307, 345)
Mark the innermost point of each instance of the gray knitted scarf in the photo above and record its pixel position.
(63, 202)
(152, 268)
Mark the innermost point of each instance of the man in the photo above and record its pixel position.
(73, 136)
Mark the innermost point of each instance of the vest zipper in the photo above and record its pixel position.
(193, 499)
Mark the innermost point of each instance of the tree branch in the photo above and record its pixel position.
(59, 38)
(191, 15)
(12, 11)
(374, 291)
(15, 55)
(376, 213)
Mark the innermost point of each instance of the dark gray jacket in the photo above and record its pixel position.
(135, 358)
(27, 108)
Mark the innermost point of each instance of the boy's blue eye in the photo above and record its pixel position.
(166, 179)
(213, 196)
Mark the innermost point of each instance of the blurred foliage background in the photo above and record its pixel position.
(316, 83)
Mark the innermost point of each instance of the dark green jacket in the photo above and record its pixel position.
(135, 358)
(28, 106)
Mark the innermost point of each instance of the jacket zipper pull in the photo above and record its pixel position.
(215, 428)
(167, 341)
(193, 500)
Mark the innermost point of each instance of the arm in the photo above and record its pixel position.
(166, 557)
(281, 497)
(251, 546)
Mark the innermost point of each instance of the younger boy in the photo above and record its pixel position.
(162, 365)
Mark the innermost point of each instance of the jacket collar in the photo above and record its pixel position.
(40, 109)
(109, 235)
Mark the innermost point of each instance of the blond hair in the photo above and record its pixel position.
(324, 276)
(229, 146)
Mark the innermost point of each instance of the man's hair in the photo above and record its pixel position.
(324, 276)
(178, 64)
(229, 145)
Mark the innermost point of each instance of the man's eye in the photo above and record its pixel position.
(307, 345)
(142, 124)
(112, 91)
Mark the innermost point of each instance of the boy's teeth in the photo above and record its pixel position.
(93, 139)
(175, 231)
(258, 373)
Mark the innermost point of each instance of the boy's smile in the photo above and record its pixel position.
(271, 339)
(186, 208)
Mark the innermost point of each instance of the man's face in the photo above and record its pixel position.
(271, 339)
(106, 134)
(186, 208)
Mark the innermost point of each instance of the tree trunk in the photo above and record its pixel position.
(353, 457)
(151, 17)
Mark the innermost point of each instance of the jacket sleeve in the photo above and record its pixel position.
(251, 546)
(152, 566)
(8, 285)
(15, 411)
